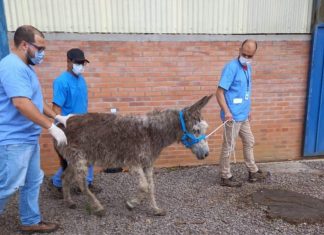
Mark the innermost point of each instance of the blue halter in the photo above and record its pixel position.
(187, 138)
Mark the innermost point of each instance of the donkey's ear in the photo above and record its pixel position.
(200, 104)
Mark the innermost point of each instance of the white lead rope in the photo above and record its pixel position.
(231, 144)
(216, 129)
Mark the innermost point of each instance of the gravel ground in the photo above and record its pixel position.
(195, 202)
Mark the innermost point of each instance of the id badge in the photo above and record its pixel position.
(237, 101)
(247, 95)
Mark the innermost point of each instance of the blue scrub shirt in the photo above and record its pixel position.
(237, 84)
(70, 92)
(18, 80)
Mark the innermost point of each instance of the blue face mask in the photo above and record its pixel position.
(37, 59)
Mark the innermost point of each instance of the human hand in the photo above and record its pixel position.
(63, 119)
(228, 116)
(58, 135)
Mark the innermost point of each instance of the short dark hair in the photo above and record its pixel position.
(26, 33)
(248, 40)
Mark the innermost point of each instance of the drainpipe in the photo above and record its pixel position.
(318, 13)
(4, 47)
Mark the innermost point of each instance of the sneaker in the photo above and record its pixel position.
(113, 170)
(257, 176)
(41, 227)
(230, 182)
(56, 191)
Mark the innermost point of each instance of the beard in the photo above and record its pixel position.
(28, 58)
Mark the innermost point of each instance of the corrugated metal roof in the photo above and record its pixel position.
(162, 16)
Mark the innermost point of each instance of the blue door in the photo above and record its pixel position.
(314, 129)
(4, 48)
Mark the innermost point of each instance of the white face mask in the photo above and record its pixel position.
(244, 61)
(78, 69)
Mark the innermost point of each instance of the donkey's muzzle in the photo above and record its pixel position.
(202, 156)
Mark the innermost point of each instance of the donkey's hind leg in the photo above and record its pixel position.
(73, 156)
(81, 173)
(77, 170)
(67, 178)
(149, 175)
(143, 188)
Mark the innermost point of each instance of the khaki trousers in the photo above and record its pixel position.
(231, 131)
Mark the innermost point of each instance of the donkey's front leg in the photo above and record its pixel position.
(149, 175)
(143, 188)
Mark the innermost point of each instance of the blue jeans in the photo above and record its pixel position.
(20, 170)
(57, 181)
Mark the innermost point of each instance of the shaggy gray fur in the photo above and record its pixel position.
(134, 142)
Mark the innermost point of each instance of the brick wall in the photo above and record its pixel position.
(137, 77)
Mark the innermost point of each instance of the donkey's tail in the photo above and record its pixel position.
(63, 162)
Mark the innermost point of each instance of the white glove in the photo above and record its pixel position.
(58, 134)
(63, 119)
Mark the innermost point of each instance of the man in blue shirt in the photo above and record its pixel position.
(234, 97)
(22, 118)
(70, 96)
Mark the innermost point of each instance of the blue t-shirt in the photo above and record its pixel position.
(18, 80)
(70, 92)
(237, 84)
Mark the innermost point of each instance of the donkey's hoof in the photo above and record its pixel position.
(100, 212)
(70, 205)
(160, 212)
(129, 205)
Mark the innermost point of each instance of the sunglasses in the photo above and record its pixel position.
(40, 49)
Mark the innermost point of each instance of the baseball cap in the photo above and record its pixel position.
(76, 55)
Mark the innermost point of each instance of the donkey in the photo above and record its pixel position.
(135, 142)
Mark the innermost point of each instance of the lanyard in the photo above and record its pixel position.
(246, 73)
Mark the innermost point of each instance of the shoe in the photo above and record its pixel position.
(113, 170)
(230, 182)
(257, 176)
(41, 227)
(56, 191)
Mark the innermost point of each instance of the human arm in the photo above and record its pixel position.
(62, 119)
(55, 113)
(48, 111)
(225, 82)
(57, 109)
(29, 110)
(222, 103)
(59, 98)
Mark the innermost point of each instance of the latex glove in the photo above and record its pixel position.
(58, 134)
(63, 119)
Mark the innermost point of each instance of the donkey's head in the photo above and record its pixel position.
(194, 128)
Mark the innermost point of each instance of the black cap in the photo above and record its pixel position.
(76, 55)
